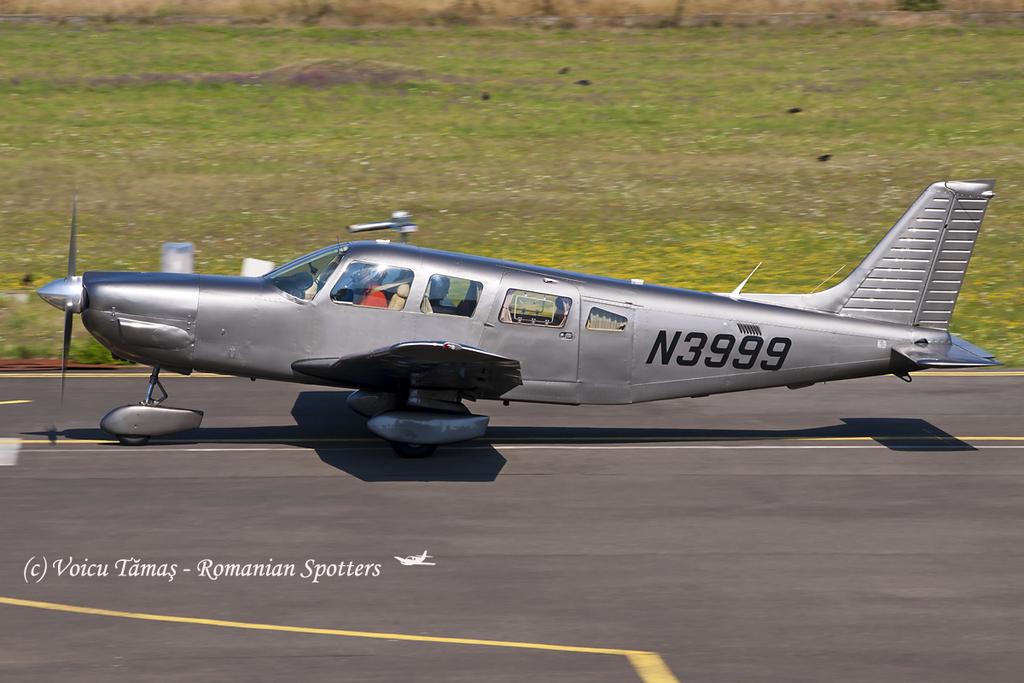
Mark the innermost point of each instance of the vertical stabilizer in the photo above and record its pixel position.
(914, 275)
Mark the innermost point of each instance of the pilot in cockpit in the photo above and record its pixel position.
(383, 288)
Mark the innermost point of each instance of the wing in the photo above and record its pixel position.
(420, 365)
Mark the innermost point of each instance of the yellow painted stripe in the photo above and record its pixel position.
(62, 441)
(649, 665)
(11, 403)
(968, 373)
(905, 437)
(653, 439)
(668, 439)
(174, 442)
(115, 374)
(651, 668)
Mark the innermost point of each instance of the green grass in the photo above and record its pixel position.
(678, 164)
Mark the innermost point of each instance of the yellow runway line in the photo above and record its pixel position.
(762, 437)
(501, 442)
(649, 666)
(63, 441)
(966, 373)
(115, 374)
(11, 403)
(905, 437)
(140, 449)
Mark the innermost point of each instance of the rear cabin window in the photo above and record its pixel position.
(373, 285)
(448, 295)
(534, 308)
(601, 320)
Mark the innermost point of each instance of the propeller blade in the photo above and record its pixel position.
(73, 246)
(69, 310)
(69, 317)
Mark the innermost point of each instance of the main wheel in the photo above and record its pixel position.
(413, 450)
(125, 440)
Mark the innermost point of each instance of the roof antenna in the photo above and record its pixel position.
(401, 222)
(827, 279)
(739, 288)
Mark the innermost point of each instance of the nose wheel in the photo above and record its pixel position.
(135, 425)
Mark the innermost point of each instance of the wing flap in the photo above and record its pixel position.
(421, 365)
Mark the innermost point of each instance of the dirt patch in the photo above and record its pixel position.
(319, 73)
(547, 14)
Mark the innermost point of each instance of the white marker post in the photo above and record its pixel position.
(254, 267)
(177, 257)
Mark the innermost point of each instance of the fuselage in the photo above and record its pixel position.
(579, 338)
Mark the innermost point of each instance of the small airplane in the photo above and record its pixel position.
(416, 332)
(416, 560)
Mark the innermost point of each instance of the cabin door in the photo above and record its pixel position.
(535, 320)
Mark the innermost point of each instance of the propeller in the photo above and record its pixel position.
(69, 307)
(65, 294)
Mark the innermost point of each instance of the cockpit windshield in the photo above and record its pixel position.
(305, 276)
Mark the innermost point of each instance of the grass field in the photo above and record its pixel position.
(678, 163)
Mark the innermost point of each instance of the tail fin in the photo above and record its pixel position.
(913, 276)
(915, 273)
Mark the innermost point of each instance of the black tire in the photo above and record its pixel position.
(125, 440)
(413, 450)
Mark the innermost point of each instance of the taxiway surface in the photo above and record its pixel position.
(860, 531)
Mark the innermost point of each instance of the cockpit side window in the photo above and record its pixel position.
(304, 277)
(534, 308)
(373, 285)
(605, 321)
(447, 295)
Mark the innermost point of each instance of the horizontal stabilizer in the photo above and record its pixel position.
(957, 354)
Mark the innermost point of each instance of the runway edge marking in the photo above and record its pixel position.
(649, 666)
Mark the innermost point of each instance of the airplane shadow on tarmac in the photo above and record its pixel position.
(340, 439)
(895, 433)
(323, 420)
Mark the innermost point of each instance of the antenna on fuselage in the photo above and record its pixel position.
(820, 284)
(401, 222)
(735, 294)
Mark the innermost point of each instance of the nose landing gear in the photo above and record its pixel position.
(134, 425)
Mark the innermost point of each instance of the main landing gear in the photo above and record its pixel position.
(416, 423)
(134, 425)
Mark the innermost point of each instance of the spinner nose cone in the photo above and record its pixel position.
(64, 293)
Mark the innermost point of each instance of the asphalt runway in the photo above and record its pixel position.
(868, 531)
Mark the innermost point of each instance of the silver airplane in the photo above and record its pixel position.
(418, 332)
